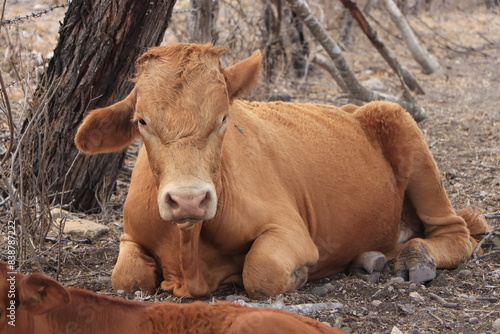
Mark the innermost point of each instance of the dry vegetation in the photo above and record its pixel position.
(463, 131)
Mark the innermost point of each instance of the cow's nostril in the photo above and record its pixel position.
(205, 201)
(171, 202)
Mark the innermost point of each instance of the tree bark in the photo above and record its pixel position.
(428, 63)
(285, 43)
(93, 60)
(356, 89)
(384, 51)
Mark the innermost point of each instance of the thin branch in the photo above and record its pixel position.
(442, 301)
(384, 51)
(428, 63)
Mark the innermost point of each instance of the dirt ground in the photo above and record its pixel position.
(463, 131)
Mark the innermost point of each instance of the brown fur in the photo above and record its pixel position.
(293, 191)
(44, 306)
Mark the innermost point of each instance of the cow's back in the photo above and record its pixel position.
(315, 159)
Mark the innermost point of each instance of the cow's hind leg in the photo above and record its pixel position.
(446, 242)
(278, 261)
(134, 269)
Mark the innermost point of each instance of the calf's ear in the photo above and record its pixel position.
(40, 294)
(108, 129)
(241, 76)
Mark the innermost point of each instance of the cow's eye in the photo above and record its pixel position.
(142, 121)
(224, 119)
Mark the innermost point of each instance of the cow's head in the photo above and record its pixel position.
(180, 107)
(23, 296)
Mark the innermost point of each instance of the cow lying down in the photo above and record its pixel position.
(38, 304)
(268, 195)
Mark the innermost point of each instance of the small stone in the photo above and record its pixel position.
(326, 324)
(376, 303)
(473, 320)
(414, 331)
(104, 279)
(319, 291)
(396, 280)
(413, 286)
(80, 228)
(120, 292)
(407, 308)
(464, 273)
(396, 330)
(329, 287)
(232, 298)
(496, 325)
(417, 297)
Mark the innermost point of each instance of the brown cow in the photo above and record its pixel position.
(267, 195)
(38, 304)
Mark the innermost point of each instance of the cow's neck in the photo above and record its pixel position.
(190, 262)
(90, 313)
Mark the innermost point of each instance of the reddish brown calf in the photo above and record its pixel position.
(36, 304)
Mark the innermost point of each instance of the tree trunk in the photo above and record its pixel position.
(285, 43)
(92, 64)
(203, 21)
(428, 63)
(356, 89)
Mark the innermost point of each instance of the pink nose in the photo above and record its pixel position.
(188, 204)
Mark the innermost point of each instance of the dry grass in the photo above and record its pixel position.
(26, 44)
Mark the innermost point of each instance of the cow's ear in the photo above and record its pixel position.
(40, 294)
(108, 129)
(241, 76)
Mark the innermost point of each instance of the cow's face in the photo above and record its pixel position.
(180, 108)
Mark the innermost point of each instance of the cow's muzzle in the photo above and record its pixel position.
(187, 203)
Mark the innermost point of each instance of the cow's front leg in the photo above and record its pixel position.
(134, 269)
(278, 261)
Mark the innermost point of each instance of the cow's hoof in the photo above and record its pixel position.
(368, 266)
(415, 263)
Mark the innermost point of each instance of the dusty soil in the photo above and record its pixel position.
(463, 131)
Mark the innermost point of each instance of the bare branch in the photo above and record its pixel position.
(428, 63)
(356, 89)
(384, 51)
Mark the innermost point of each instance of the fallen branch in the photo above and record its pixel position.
(442, 301)
(487, 254)
(301, 308)
(356, 89)
(492, 215)
(480, 244)
(428, 63)
(329, 66)
(384, 51)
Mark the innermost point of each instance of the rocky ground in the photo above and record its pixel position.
(463, 131)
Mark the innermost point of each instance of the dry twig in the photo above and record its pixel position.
(442, 301)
